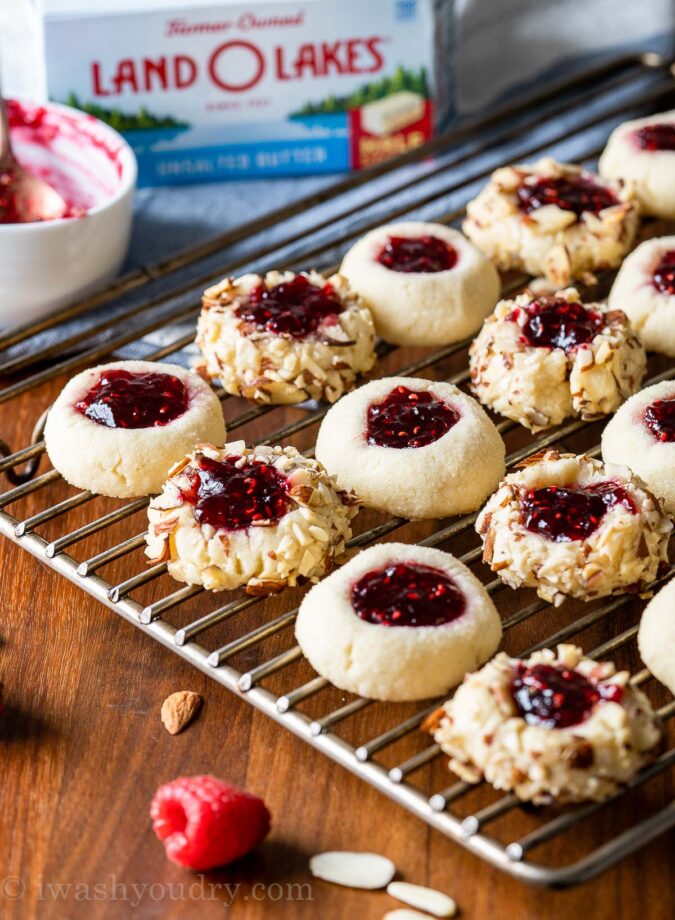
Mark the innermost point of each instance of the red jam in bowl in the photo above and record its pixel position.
(406, 418)
(231, 497)
(422, 254)
(554, 323)
(656, 137)
(407, 594)
(663, 278)
(552, 696)
(126, 399)
(74, 153)
(660, 419)
(569, 193)
(565, 515)
(296, 308)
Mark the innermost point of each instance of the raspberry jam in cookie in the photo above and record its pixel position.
(232, 497)
(553, 322)
(569, 193)
(660, 419)
(406, 418)
(563, 515)
(405, 594)
(664, 274)
(296, 307)
(425, 254)
(124, 399)
(656, 137)
(557, 697)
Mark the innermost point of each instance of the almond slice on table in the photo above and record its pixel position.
(427, 899)
(404, 913)
(353, 870)
(179, 709)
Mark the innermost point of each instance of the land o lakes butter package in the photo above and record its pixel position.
(205, 91)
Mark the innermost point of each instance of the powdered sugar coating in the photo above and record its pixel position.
(623, 554)
(540, 387)
(550, 241)
(267, 557)
(486, 738)
(276, 368)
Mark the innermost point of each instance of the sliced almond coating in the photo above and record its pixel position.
(427, 899)
(402, 913)
(353, 870)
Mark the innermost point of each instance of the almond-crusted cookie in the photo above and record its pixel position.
(285, 338)
(553, 219)
(541, 359)
(262, 517)
(554, 727)
(571, 526)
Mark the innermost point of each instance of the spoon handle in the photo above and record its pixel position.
(6, 155)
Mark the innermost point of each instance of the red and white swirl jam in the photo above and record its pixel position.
(552, 696)
(656, 137)
(566, 515)
(127, 399)
(660, 419)
(569, 193)
(232, 497)
(296, 308)
(550, 322)
(406, 418)
(70, 152)
(407, 594)
(663, 278)
(423, 254)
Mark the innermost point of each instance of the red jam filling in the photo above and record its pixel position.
(407, 594)
(554, 323)
(660, 419)
(565, 515)
(405, 418)
(570, 193)
(296, 308)
(424, 254)
(231, 497)
(126, 399)
(552, 696)
(664, 273)
(656, 137)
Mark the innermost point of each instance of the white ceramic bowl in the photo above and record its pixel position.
(47, 265)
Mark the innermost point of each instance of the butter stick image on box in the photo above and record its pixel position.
(393, 113)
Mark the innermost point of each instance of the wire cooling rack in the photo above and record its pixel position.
(213, 632)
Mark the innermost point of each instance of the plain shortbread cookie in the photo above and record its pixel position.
(656, 636)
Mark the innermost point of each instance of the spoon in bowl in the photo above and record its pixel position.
(23, 198)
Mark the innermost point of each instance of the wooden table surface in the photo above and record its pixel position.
(82, 751)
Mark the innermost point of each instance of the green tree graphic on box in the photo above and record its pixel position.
(402, 79)
(125, 121)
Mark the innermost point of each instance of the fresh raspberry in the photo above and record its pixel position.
(204, 822)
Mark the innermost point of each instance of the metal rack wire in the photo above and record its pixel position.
(262, 663)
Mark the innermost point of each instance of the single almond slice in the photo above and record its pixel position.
(179, 709)
(433, 902)
(404, 913)
(354, 870)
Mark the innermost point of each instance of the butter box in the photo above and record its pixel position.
(206, 91)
